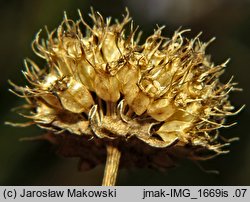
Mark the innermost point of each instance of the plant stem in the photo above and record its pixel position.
(111, 167)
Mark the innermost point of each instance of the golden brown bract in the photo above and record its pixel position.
(104, 84)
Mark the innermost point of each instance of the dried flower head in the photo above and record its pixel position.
(103, 88)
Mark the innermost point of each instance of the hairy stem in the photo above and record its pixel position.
(111, 167)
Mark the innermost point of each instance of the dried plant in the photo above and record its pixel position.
(153, 101)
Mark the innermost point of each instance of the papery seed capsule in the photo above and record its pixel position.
(161, 109)
(140, 103)
(107, 87)
(130, 91)
(173, 129)
(87, 74)
(128, 78)
(76, 98)
(52, 100)
(45, 114)
(110, 50)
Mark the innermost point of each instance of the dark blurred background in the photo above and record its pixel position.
(35, 163)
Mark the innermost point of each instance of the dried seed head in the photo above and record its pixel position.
(105, 85)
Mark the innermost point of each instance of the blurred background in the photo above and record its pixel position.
(36, 163)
